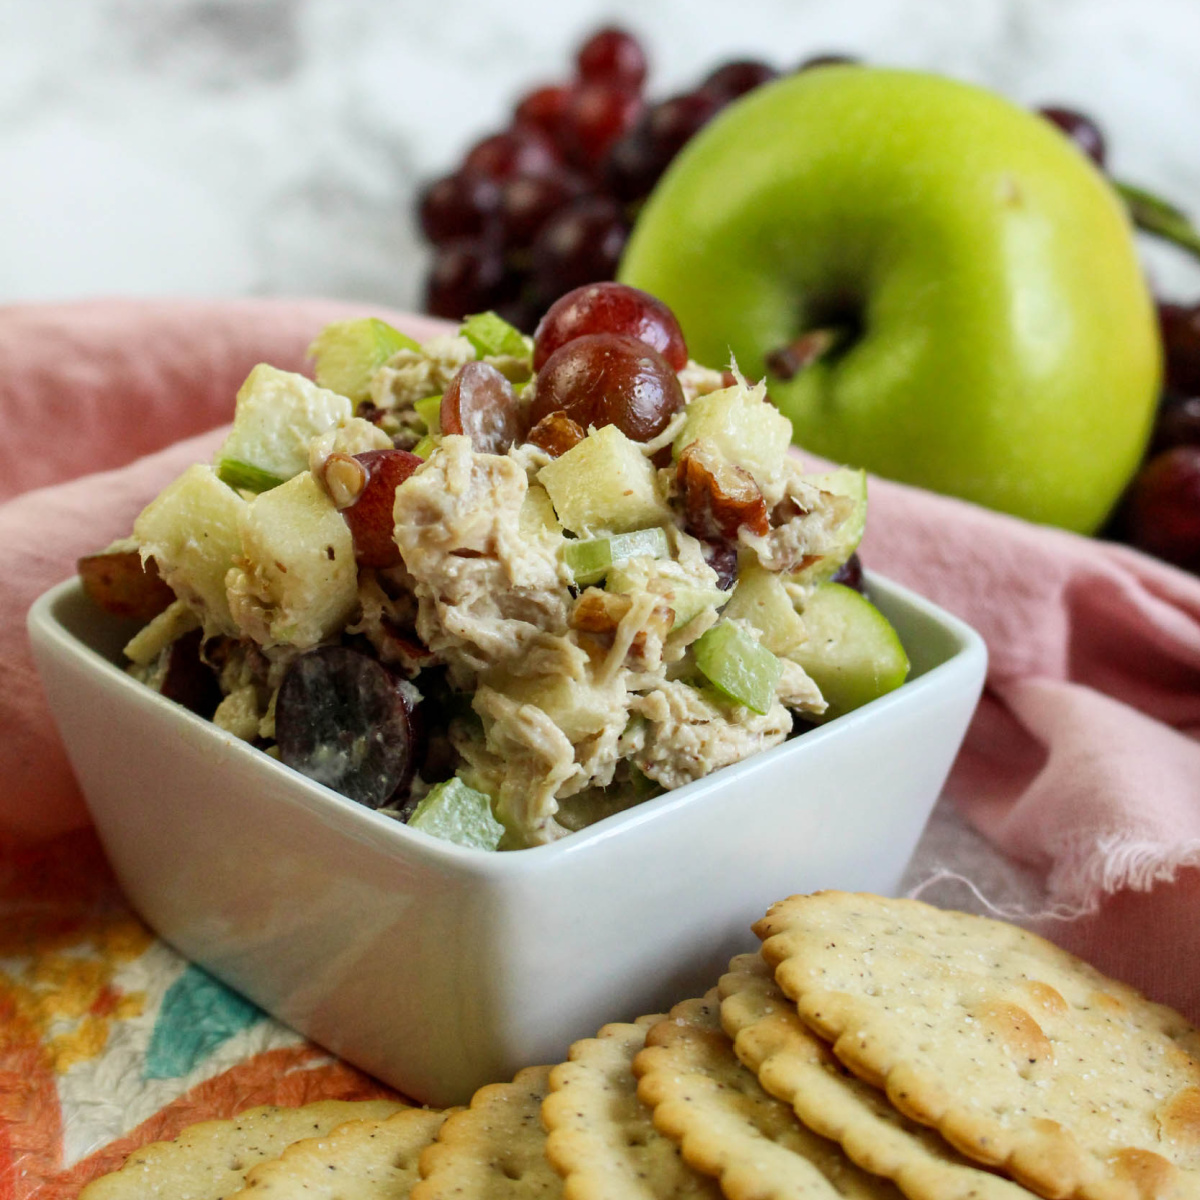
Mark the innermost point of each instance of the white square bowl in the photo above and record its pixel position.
(438, 968)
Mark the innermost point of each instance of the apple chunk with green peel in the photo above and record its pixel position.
(852, 652)
(991, 335)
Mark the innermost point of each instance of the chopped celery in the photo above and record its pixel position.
(492, 335)
(590, 559)
(426, 446)
(457, 813)
(430, 411)
(246, 477)
(738, 667)
(348, 353)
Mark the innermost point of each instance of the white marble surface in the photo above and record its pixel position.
(220, 147)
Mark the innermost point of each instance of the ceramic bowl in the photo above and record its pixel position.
(438, 968)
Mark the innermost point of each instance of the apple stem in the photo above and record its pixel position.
(1152, 214)
(788, 361)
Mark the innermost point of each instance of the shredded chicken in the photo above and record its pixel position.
(690, 734)
(485, 588)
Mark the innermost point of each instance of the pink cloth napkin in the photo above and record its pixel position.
(1083, 760)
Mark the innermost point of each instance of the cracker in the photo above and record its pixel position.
(601, 1138)
(729, 1127)
(361, 1160)
(791, 1062)
(210, 1160)
(1021, 1055)
(493, 1150)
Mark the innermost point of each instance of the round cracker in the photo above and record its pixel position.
(361, 1160)
(494, 1150)
(792, 1063)
(729, 1127)
(601, 1138)
(1023, 1057)
(210, 1160)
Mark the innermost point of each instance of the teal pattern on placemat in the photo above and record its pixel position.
(198, 1014)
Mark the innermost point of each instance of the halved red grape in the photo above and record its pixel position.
(342, 719)
(610, 308)
(370, 515)
(609, 379)
(612, 55)
(189, 680)
(481, 403)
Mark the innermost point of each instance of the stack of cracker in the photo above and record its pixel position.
(875, 1049)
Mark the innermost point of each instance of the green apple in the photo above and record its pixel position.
(852, 652)
(999, 340)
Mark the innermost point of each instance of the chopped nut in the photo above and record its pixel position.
(556, 433)
(344, 478)
(719, 498)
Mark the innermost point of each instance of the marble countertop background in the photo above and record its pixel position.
(229, 147)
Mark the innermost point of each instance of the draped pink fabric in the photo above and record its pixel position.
(1082, 761)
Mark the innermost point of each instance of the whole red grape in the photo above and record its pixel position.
(1162, 509)
(614, 56)
(610, 308)
(580, 244)
(1180, 328)
(609, 379)
(733, 79)
(521, 151)
(596, 116)
(458, 205)
(543, 110)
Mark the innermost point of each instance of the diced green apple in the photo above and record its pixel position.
(591, 559)
(845, 481)
(298, 582)
(743, 426)
(852, 652)
(604, 483)
(278, 413)
(348, 353)
(739, 668)
(190, 529)
(761, 600)
(457, 813)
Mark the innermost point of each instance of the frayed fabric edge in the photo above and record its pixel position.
(1086, 872)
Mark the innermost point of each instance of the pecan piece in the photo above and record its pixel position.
(556, 433)
(601, 612)
(719, 498)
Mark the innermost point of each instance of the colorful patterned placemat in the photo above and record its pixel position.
(109, 1039)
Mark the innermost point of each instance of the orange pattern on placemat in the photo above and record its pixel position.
(290, 1076)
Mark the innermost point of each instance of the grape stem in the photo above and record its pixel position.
(1153, 215)
(788, 361)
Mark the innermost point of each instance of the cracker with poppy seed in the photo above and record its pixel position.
(1022, 1056)
(210, 1160)
(602, 1139)
(360, 1160)
(729, 1127)
(792, 1063)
